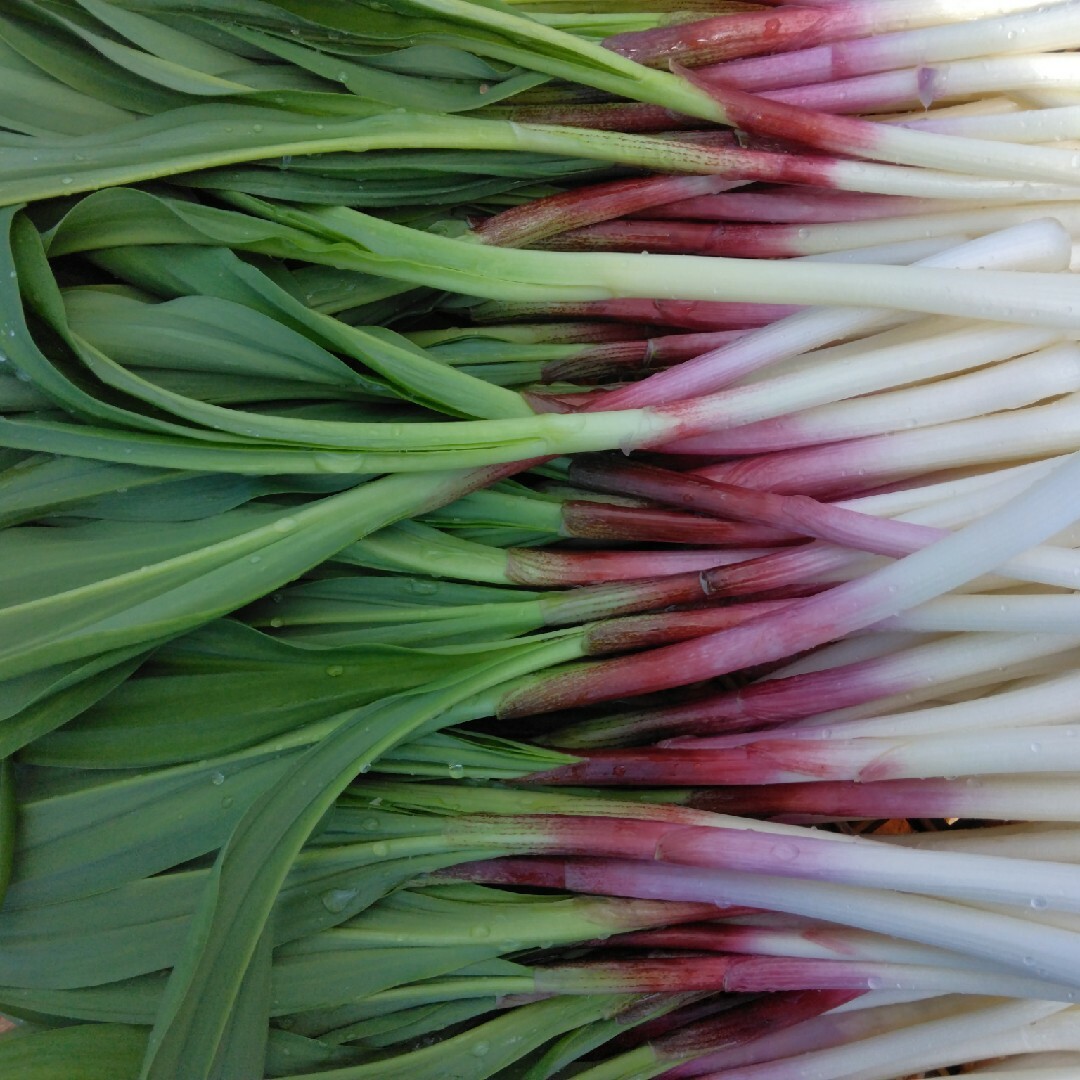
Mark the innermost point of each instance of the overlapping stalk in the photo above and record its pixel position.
(365, 713)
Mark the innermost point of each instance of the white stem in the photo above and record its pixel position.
(905, 500)
(924, 85)
(931, 667)
(1053, 1032)
(1037, 245)
(1026, 840)
(1035, 432)
(1030, 126)
(1050, 614)
(1024, 946)
(968, 346)
(1043, 701)
(875, 1013)
(819, 239)
(1007, 385)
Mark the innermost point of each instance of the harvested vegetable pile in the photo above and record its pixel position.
(540, 539)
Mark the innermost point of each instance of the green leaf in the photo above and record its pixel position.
(179, 593)
(42, 483)
(8, 825)
(83, 1052)
(170, 714)
(253, 865)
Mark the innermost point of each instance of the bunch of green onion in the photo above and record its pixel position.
(514, 511)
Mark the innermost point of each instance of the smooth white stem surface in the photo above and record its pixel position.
(1048, 125)
(1042, 701)
(1037, 245)
(1062, 1030)
(820, 239)
(1005, 385)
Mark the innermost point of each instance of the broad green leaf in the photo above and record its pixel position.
(37, 105)
(501, 1041)
(47, 714)
(115, 830)
(8, 824)
(164, 41)
(398, 89)
(254, 863)
(412, 547)
(69, 62)
(119, 217)
(42, 483)
(168, 715)
(154, 69)
(83, 1052)
(288, 1052)
(180, 593)
(242, 1052)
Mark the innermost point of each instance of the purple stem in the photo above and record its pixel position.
(534, 566)
(804, 206)
(523, 225)
(798, 514)
(681, 238)
(726, 37)
(604, 521)
(992, 798)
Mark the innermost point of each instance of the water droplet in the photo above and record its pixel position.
(256, 128)
(784, 852)
(1029, 961)
(365, 768)
(480, 931)
(334, 670)
(423, 588)
(337, 900)
(65, 180)
(1035, 747)
(255, 559)
(286, 160)
(1039, 903)
(370, 824)
(481, 1049)
(455, 770)
(227, 802)
(217, 779)
(275, 623)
